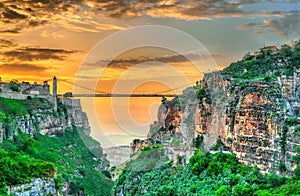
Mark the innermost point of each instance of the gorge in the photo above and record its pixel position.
(234, 132)
(249, 111)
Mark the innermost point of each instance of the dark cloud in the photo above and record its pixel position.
(11, 14)
(32, 54)
(11, 31)
(247, 26)
(165, 59)
(287, 25)
(35, 23)
(28, 9)
(21, 67)
(4, 43)
(185, 9)
(43, 12)
(124, 63)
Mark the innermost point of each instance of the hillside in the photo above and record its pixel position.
(206, 174)
(250, 111)
(41, 146)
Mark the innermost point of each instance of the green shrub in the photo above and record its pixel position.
(222, 191)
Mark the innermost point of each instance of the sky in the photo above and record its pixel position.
(105, 45)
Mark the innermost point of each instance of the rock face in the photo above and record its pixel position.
(251, 119)
(256, 127)
(252, 107)
(49, 122)
(38, 186)
(137, 144)
(78, 117)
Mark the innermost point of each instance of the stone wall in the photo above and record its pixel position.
(13, 95)
(27, 88)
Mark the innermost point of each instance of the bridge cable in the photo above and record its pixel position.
(85, 88)
(172, 89)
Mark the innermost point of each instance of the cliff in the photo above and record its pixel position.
(59, 140)
(249, 109)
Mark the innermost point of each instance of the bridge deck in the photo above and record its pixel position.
(118, 95)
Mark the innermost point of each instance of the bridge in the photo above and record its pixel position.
(67, 87)
(116, 95)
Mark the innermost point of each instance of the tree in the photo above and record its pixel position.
(14, 85)
(247, 56)
(262, 193)
(198, 141)
(222, 191)
(296, 159)
(166, 191)
(106, 173)
(163, 99)
(242, 190)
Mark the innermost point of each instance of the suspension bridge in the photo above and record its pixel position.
(66, 88)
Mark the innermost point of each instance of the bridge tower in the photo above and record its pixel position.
(54, 89)
(54, 92)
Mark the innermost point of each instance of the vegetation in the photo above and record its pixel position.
(198, 141)
(206, 174)
(73, 161)
(266, 65)
(24, 157)
(202, 94)
(14, 85)
(24, 169)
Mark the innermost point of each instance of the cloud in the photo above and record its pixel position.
(125, 63)
(73, 15)
(185, 9)
(4, 43)
(35, 23)
(247, 26)
(12, 15)
(52, 34)
(10, 31)
(285, 26)
(96, 15)
(21, 67)
(257, 32)
(36, 54)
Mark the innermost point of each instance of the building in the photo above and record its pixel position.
(273, 48)
(24, 90)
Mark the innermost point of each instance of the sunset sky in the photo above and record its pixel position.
(43, 38)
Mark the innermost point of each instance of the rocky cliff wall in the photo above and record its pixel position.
(250, 118)
(49, 122)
